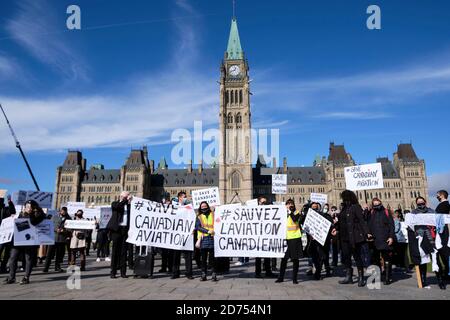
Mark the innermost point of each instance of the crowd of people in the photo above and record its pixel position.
(362, 235)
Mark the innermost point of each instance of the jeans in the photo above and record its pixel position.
(30, 253)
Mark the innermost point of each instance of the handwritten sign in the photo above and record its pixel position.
(424, 219)
(255, 231)
(80, 224)
(279, 183)
(161, 225)
(319, 197)
(44, 199)
(73, 207)
(210, 195)
(6, 230)
(316, 226)
(253, 202)
(364, 177)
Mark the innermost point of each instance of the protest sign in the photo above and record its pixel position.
(425, 219)
(250, 231)
(253, 202)
(161, 225)
(316, 226)
(80, 224)
(3, 193)
(105, 215)
(73, 207)
(319, 197)
(364, 177)
(25, 234)
(210, 195)
(44, 199)
(6, 230)
(279, 183)
(91, 213)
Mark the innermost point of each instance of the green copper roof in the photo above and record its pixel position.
(234, 49)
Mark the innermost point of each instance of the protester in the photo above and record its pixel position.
(205, 236)
(320, 253)
(422, 242)
(181, 201)
(61, 235)
(294, 242)
(78, 244)
(381, 239)
(35, 215)
(262, 201)
(102, 244)
(443, 232)
(334, 239)
(118, 226)
(5, 248)
(400, 258)
(353, 235)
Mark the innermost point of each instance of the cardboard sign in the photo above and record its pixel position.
(6, 230)
(425, 219)
(255, 231)
(105, 216)
(279, 183)
(161, 225)
(364, 177)
(210, 195)
(73, 207)
(25, 234)
(319, 197)
(80, 224)
(316, 226)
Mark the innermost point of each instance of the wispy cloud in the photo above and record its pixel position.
(10, 69)
(437, 182)
(33, 27)
(145, 111)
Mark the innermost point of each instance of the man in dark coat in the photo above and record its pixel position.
(444, 252)
(6, 212)
(61, 236)
(353, 235)
(118, 226)
(381, 228)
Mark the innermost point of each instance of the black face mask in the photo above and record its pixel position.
(79, 215)
(421, 206)
(378, 207)
(292, 208)
(204, 210)
(438, 198)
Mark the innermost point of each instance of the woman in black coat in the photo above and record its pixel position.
(353, 235)
(382, 231)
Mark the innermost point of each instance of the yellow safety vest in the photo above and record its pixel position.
(293, 228)
(207, 223)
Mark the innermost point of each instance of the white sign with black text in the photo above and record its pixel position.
(316, 226)
(279, 183)
(25, 234)
(210, 195)
(364, 177)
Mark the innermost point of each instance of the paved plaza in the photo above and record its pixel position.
(239, 284)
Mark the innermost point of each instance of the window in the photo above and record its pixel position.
(240, 96)
(235, 181)
(230, 118)
(232, 97)
(238, 118)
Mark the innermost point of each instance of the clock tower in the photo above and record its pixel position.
(235, 166)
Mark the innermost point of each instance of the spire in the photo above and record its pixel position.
(234, 49)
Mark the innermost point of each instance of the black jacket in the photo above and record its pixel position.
(118, 209)
(35, 217)
(351, 225)
(6, 212)
(444, 208)
(58, 223)
(381, 227)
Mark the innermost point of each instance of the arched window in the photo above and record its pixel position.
(240, 96)
(235, 181)
(230, 118)
(238, 118)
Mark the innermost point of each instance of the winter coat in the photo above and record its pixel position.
(381, 227)
(351, 225)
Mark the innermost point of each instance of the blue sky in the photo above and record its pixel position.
(140, 69)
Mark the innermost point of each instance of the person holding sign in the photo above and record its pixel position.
(35, 215)
(382, 230)
(294, 242)
(422, 246)
(61, 235)
(118, 226)
(443, 252)
(78, 243)
(205, 239)
(354, 233)
(5, 248)
(320, 253)
(262, 201)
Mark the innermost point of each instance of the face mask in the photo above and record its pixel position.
(325, 210)
(438, 198)
(292, 208)
(204, 210)
(79, 215)
(377, 207)
(421, 206)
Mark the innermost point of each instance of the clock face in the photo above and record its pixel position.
(235, 70)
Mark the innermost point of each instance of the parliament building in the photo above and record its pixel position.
(235, 175)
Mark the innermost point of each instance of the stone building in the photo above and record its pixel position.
(238, 180)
